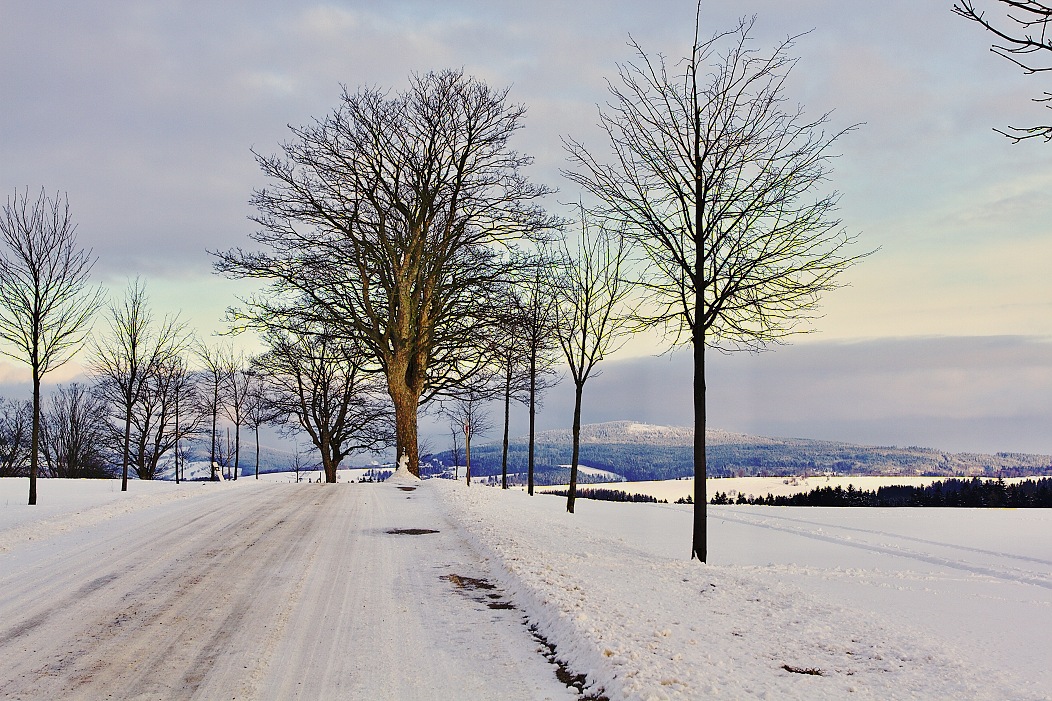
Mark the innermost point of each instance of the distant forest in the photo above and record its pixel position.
(601, 494)
(973, 493)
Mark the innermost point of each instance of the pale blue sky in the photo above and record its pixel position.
(145, 113)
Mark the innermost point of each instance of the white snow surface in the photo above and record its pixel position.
(885, 603)
(266, 590)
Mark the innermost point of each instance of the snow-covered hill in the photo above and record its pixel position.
(636, 433)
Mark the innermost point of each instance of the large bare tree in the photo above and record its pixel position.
(718, 183)
(592, 315)
(388, 218)
(1022, 31)
(46, 301)
(318, 383)
(128, 358)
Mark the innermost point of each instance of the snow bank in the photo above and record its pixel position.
(602, 586)
(67, 504)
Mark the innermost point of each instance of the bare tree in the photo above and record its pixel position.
(717, 185)
(187, 416)
(319, 382)
(236, 398)
(164, 415)
(46, 303)
(1022, 30)
(468, 414)
(592, 315)
(16, 425)
(538, 312)
(72, 433)
(127, 360)
(455, 429)
(261, 408)
(213, 377)
(512, 368)
(388, 217)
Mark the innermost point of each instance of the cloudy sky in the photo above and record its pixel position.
(145, 114)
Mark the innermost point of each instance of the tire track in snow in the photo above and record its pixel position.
(257, 592)
(157, 627)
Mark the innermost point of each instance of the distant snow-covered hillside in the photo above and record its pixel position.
(634, 432)
(638, 451)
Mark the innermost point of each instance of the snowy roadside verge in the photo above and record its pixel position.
(644, 626)
(71, 504)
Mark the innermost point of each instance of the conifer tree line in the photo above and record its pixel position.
(407, 262)
(961, 493)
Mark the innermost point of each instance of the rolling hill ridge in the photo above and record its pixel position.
(639, 451)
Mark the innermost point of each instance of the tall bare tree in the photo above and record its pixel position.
(46, 302)
(718, 185)
(455, 429)
(592, 315)
(236, 399)
(215, 361)
(1023, 36)
(318, 382)
(511, 367)
(387, 218)
(538, 312)
(187, 416)
(261, 408)
(129, 357)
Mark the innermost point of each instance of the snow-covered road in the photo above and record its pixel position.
(264, 591)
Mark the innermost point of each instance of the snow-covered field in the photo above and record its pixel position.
(795, 603)
(671, 490)
(887, 604)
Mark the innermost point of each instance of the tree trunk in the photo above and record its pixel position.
(533, 416)
(127, 446)
(213, 474)
(237, 449)
(507, 417)
(467, 456)
(327, 462)
(571, 494)
(405, 406)
(177, 436)
(699, 547)
(34, 442)
(257, 451)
